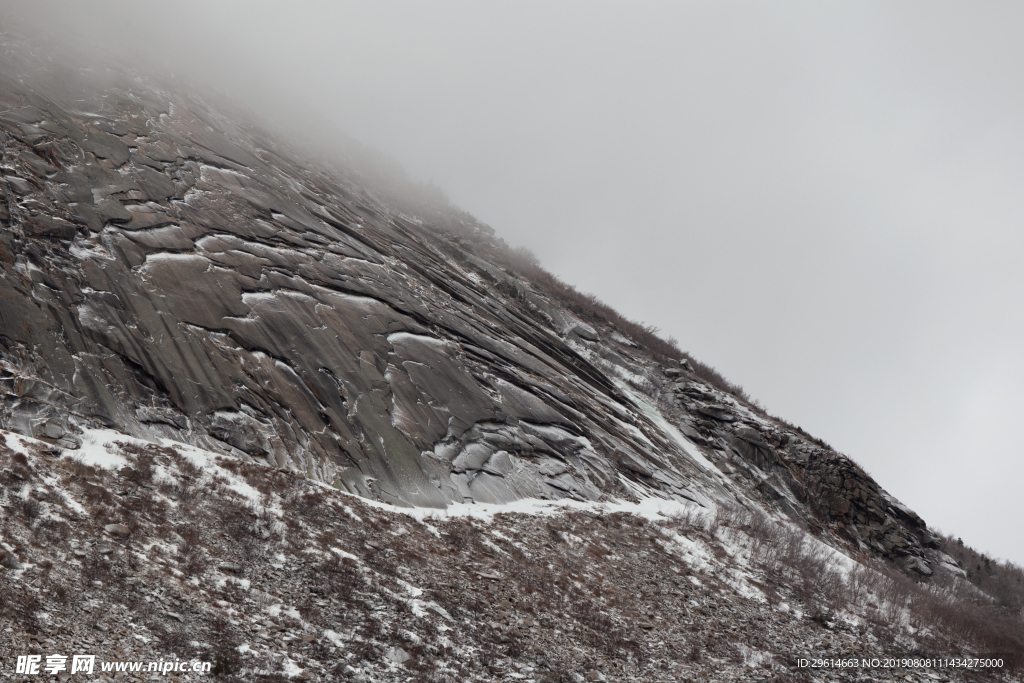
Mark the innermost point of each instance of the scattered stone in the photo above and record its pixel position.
(19, 185)
(166, 416)
(147, 220)
(113, 211)
(106, 146)
(436, 609)
(584, 331)
(9, 560)
(398, 655)
(718, 412)
(49, 226)
(117, 530)
(156, 185)
(921, 567)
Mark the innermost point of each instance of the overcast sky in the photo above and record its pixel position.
(823, 200)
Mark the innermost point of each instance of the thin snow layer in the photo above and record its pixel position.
(736, 568)
(708, 539)
(669, 429)
(96, 449)
(650, 508)
(21, 444)
(206, 461)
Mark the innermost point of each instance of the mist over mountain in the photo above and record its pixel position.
(273, 405)
(818, 200)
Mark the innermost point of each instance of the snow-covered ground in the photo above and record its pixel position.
(271, 571)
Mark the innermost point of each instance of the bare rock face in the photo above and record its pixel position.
(165, 273)
(170, 273)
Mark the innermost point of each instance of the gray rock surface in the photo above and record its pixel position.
(170, 273)
(211, 289)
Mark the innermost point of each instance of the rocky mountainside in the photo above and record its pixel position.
(171, 274)
(139, 552)
(178, 277)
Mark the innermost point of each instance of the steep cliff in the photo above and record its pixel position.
(172, 273)
(264, 411)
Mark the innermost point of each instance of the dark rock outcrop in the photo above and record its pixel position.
(170, 273)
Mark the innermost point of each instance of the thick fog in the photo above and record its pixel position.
(821, 199)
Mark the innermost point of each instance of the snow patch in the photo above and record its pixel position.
(97, 449)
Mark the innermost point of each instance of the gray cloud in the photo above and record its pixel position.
(821, 199)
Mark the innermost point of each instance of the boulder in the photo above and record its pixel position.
(921, 567)
(241, 431)
(472, 457)
(584, 331)
(48, 226)
(9, 560)
(87, 214)
(552, 468)
(112, 211)
(145, 220)
(19, 185)
(155, 184)
(623, 339)
(167, 416)
(52, 429)
(717, 411)
(112, 127)
(499, 464)
(751, 436)
(106, 146)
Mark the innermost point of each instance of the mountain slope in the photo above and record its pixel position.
(171, 274)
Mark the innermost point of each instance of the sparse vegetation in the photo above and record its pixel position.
(795, 565)
(553, 596)
(593, 310)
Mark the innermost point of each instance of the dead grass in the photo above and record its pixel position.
(593, 310)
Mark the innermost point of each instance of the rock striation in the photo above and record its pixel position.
(169, 272)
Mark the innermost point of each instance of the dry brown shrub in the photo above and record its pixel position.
(339, 575)
(20, 605)
(192, 554)
(590, 308)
